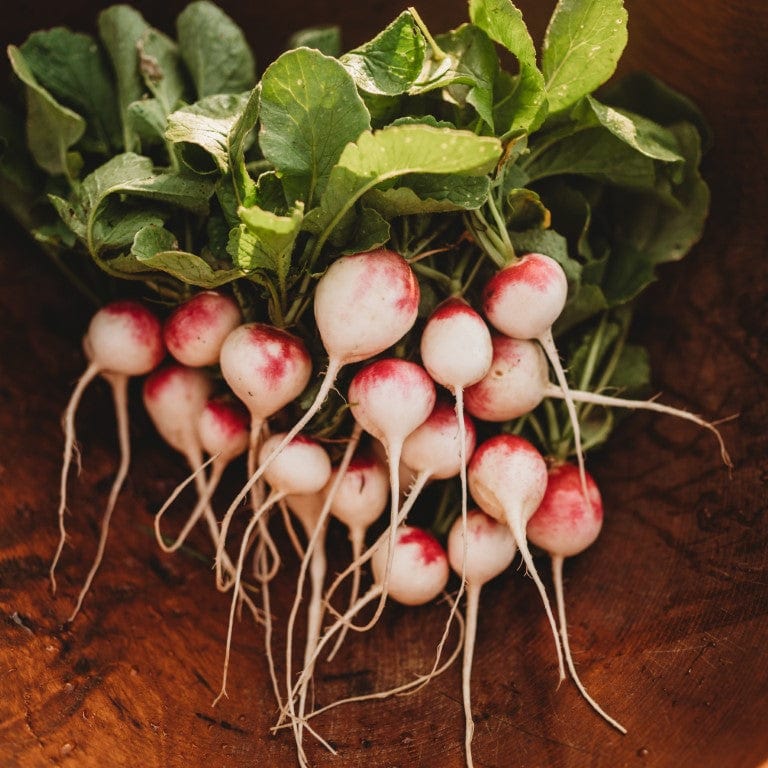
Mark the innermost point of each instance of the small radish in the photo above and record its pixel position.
(302, 468)
(223, 429)
(457, 352)
(508, 479)
(123, 340)
(363, 304)
(196, 329)
(564, 526)
(360, 499)
(489, 550)
(266, 368)
(416, 571)
(518, 381)
(390, 398)
(523, 300)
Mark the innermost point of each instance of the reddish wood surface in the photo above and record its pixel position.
(668, 610)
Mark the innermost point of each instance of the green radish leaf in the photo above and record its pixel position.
(524, 210)
(429, 193)
(208, 123)
(524, 102)
(582, 45)
(552, 244)
(239, 139)
(593, 152)
(645, 95)
(120, 30)
(392, 62)
(52, 129)
(215, 50)
(394, 152)
(161, 69)
(369, 230)
(146, 122)
(633, 371)
(325, 39)
(71, 67)
(310, 110)
(155, 248)
(473, 71)
(264, 241)
(116, 227)
(643, 135)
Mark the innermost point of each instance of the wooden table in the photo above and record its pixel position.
(668, 610)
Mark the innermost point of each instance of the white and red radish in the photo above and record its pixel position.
(363, 304)
(123, 340)
(478, 550)
(508, 479)
(266, 368)
(518, 381)
(195, 331)
(223, 429)
(302, 468)
(456, 351)
(417, 572)
(564, 525)
(359, 500)
(389, 399)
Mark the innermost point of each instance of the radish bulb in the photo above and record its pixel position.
(564, 526)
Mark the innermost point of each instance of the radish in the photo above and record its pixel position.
(390, 398)
(518, 381)
(415, 572)
(360, 499)
(363, 304)
(223, 432)
(523, 300)
(266, 368)
(457, 352)
(196, 329)
(508, 479)
(301, 468)
(479, 555)
(123, 340)
(564, 525)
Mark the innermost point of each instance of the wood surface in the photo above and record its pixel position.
(668, 609)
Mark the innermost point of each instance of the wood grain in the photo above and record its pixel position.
(668, 610)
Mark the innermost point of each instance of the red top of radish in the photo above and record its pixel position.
(365, 303)
(525, 298)
(565, 524)
(195, 331)
(224, 429)
(266, 367)
(507, 476)
(456, 345)
(419, 566)
(125, 337)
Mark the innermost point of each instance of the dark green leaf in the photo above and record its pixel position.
(524, 210)
(523, 104)
(473, 69)
(146, 121)
(71, 67)
(583, 43)
(586, 301)
(643, 135)
(120, 29)
(215, 50)
(51, 128)
(595, 153)
(310, 110)
(160, 68)
(392, 62)
(326, 39)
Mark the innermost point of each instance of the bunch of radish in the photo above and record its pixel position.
(426, 400)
